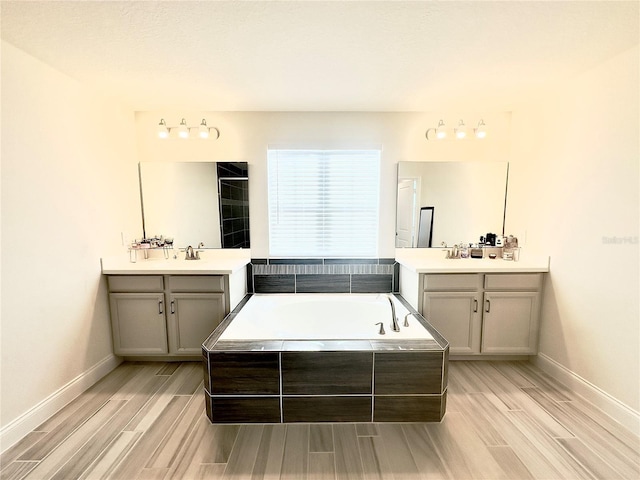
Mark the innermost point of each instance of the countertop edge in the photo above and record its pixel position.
(167, 272)
(481, 270)
(437, 265)
(207, 267)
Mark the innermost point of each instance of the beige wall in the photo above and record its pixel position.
(246, 137)
(574, 181)
(69, 188)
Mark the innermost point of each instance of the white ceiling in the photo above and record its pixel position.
(321, 56)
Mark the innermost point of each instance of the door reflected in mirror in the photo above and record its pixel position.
(449, 202)
(196, 203)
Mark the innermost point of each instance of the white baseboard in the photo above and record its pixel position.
(623, 414)
(13, 432)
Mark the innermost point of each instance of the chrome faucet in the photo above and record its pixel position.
(190, 255)
(406, 319)
(453, 253)
(394, 320)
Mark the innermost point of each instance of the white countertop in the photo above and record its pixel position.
(212, 262)
(432, 260)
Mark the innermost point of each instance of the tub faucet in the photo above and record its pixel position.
(394, 320)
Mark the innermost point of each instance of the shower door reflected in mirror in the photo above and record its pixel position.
(468, 200)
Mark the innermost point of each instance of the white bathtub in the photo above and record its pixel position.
(320, 317)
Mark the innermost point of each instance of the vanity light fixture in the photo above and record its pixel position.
(204, 131)
(441, 133)
(461, 130)
(184, 131)
(163, 130)
(480, 130)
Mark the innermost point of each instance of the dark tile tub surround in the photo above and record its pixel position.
(273, 283)
(274, 381)
(327, 409)
(319, 283)
(244, 373)
(333, 373)
(323, 275)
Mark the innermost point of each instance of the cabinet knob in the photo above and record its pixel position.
(488, 306)
(160, 310)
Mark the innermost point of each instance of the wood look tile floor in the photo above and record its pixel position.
(505, 420)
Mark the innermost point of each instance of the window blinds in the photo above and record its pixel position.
(323, 203)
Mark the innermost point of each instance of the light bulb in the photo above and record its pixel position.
(481, 131)
(441, 131)
(461, 131)
(183, 130)
(203, 130)
(163, 131)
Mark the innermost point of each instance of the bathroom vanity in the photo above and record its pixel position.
(483, 307)
(166, 308)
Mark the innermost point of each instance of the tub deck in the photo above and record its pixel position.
(286, 381)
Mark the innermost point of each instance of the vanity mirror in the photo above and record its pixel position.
(449, 202)
(196, 202)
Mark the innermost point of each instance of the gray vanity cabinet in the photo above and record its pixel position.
(485, 314)
(137, 315)
(511, 312)
(164, 315)
(196, 307)
(457, 317)
(452, 304)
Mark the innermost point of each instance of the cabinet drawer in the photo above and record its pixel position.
(513, 281)
(135, 283)
(453, 281)
(196, 283)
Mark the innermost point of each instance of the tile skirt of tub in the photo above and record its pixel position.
(318, 275)
(338, 386)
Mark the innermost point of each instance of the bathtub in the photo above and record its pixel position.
(321, 317)
(290, 358)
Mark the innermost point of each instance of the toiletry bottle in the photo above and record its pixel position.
(464, 250)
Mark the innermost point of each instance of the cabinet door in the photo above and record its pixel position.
(138, 323)
(510, 322)
(192, 318)
(457, 316)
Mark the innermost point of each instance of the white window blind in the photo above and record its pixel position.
(323, 203)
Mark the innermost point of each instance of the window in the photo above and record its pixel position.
(323, 203)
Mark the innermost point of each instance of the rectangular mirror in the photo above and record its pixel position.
(196, 203)
(449, 202)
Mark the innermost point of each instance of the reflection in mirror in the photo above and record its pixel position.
(450, 202)
(196, 203)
